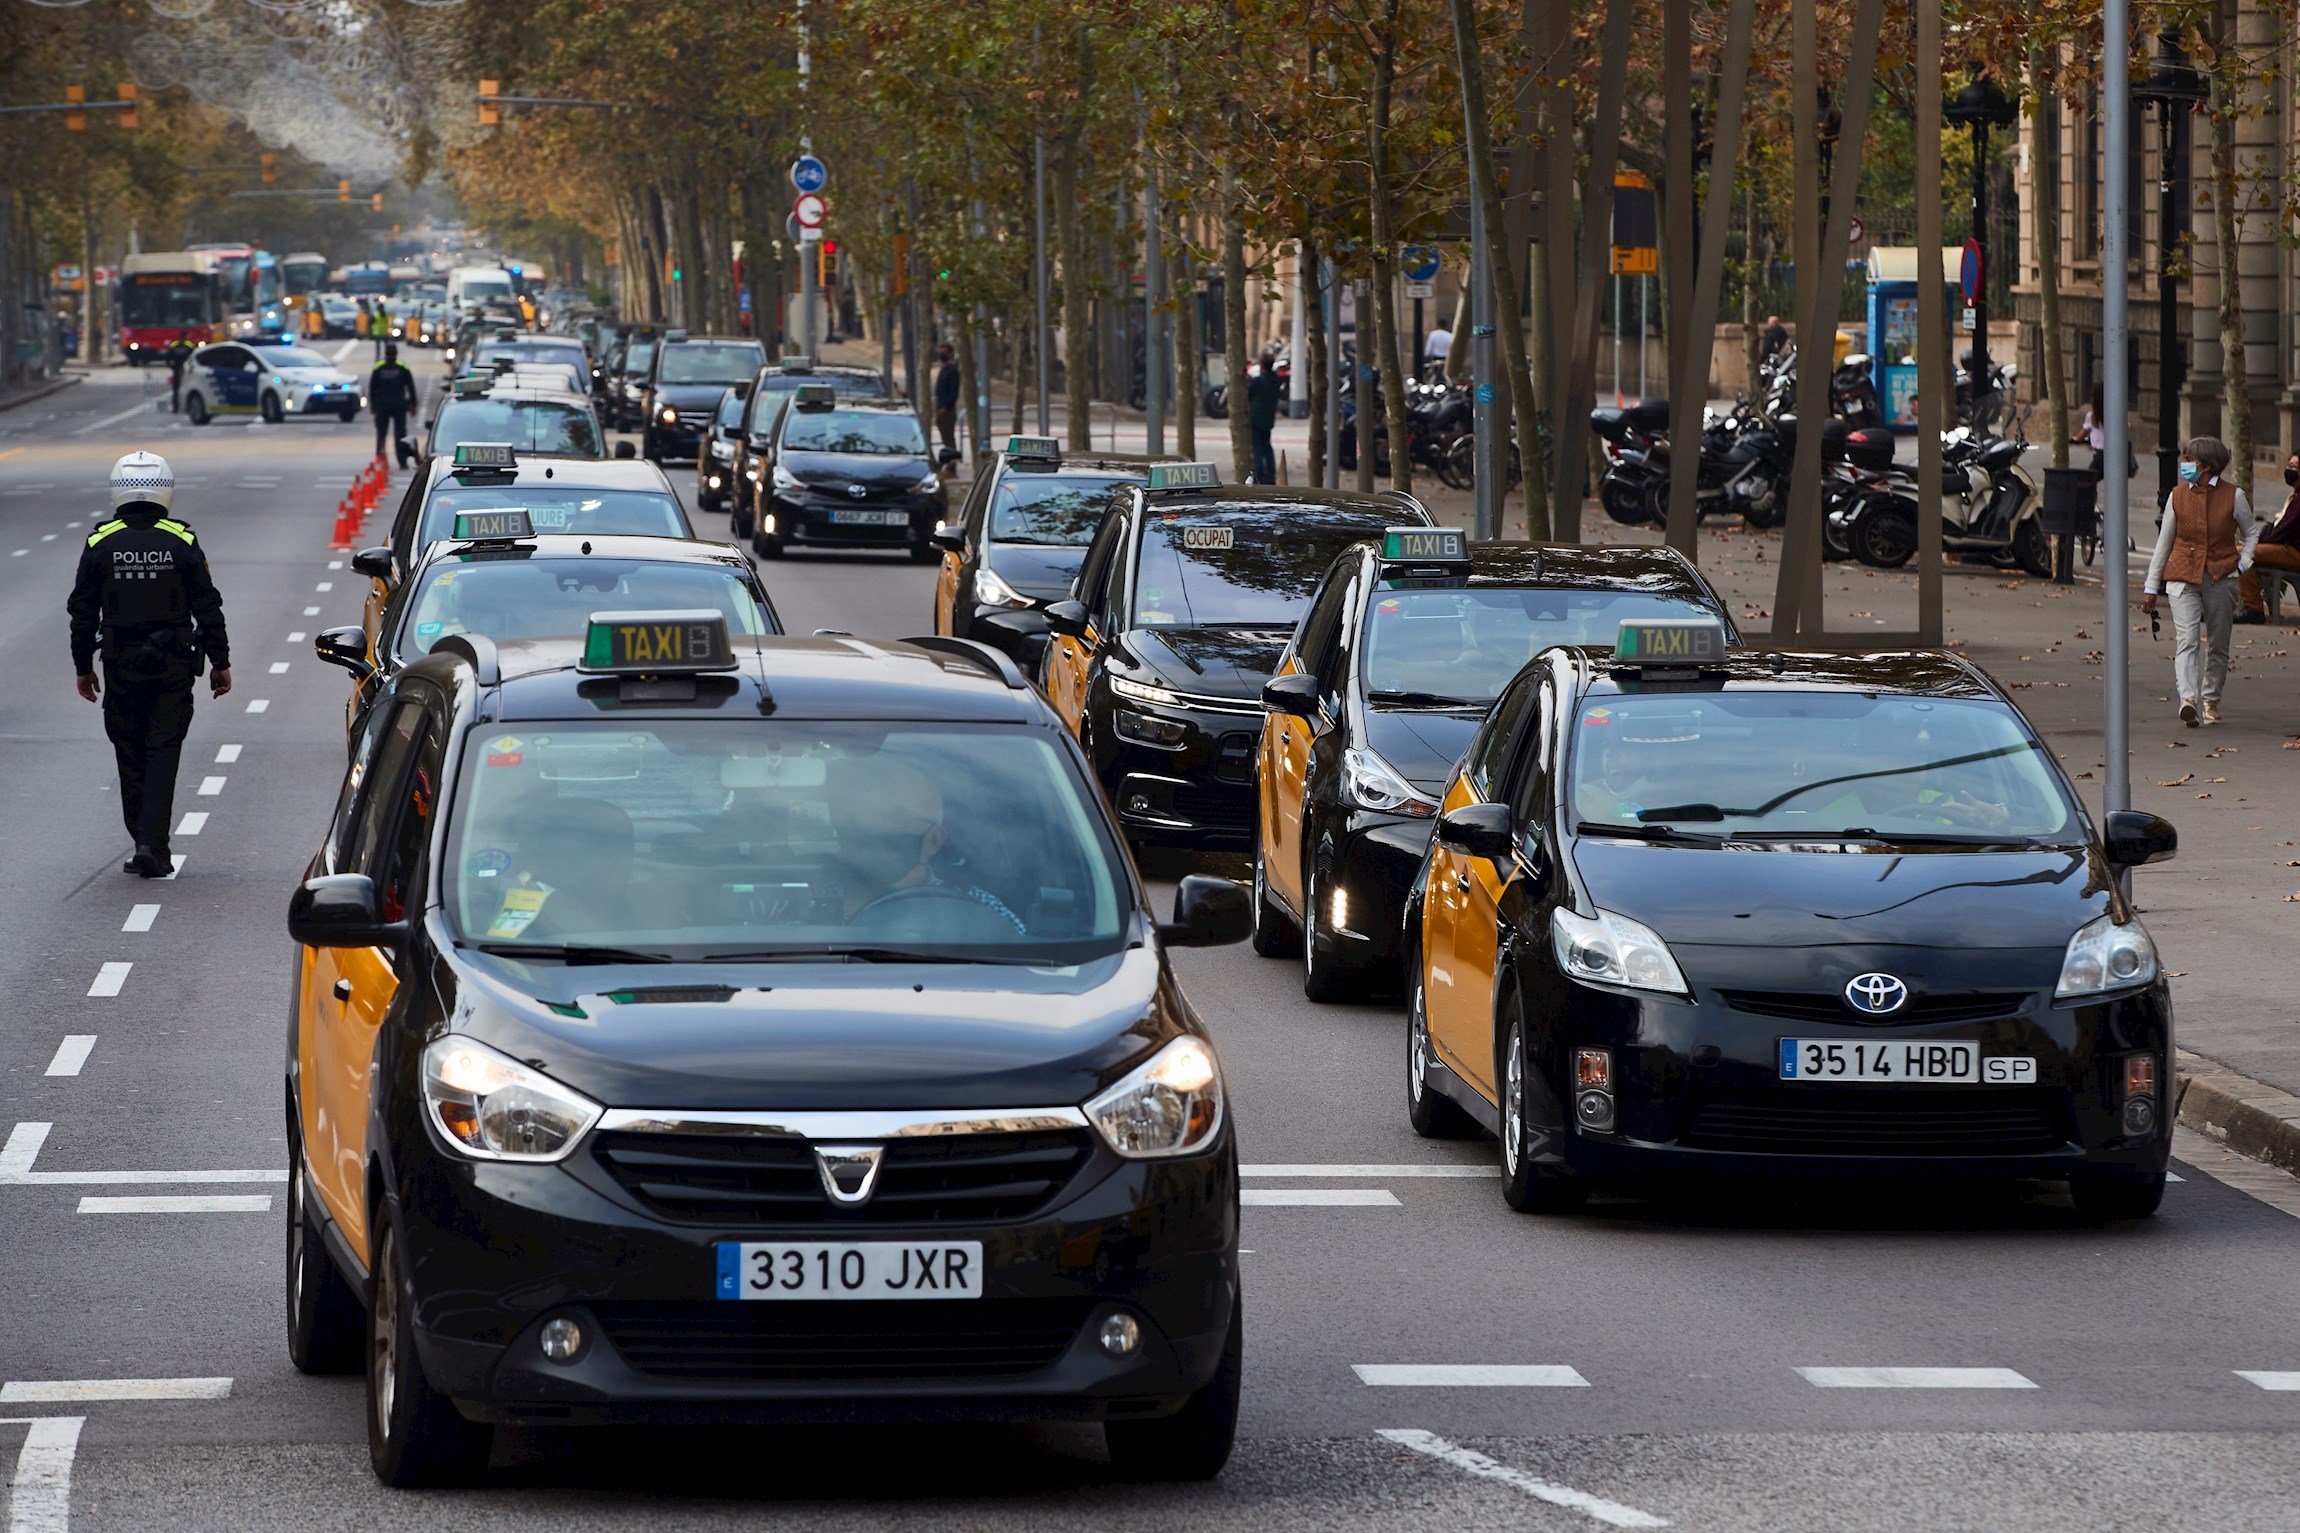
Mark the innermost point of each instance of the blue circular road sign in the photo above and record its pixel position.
(1969, 274)
(809, 174)
(1420, 263)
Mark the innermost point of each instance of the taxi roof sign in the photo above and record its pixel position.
(1669, 644)
(474, 385)
(657, 643)
(493, 525)
(1424, 545)
(797, 362)
(1184, 476)
(486, 455)
(815, 396)
(1034, 447)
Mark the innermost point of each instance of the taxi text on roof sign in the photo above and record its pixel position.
(1671, 641)
(1184, 476)
(500, 522)
(656, 642)
(1033, 447)
(815, 396)
(486, 455)
(1425, 545)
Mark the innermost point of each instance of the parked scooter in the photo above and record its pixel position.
(1991, 510)
(1745, 463)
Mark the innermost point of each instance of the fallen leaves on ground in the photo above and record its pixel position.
(2177, 781)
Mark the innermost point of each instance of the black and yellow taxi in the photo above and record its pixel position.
(1691, 910)
(771, 390)
(1187, 596)
(1403, 648)
(849, 473)
(715, 457)
(693, 1030)
(530, 591)
(1019, 538)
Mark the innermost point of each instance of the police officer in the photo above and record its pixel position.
(179, 353)
(391, 395)
(144, 593)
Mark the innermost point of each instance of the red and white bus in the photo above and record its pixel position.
(166, 296)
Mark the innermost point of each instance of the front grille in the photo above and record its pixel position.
(949, 1179)
(1214, 808)
(1886, 1120)
(1234, 756)
(864, 1340)
(1830, 1006)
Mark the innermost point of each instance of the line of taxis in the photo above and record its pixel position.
(697, 1025)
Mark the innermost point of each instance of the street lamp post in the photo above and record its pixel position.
(2173, 86)
(1980, 106)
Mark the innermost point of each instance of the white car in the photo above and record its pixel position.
(273, 380)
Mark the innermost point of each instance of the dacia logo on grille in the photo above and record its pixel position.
(849, 1171)
(1875, 994)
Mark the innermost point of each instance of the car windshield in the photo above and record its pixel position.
(292, 356)
(159, 298)
(525, 352)
(730, 409)
(530, 425)
(480, 290)
(510, 596)
(1243, 565)
(1049, 509)
(1463, 644)
(635, 359)
(874, 433)
(711, 362)
(560, 508)
(1815, 765)
(769, 839)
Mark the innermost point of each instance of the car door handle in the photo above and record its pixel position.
(1461, 882)
(343, 989)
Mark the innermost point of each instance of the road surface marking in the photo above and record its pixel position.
(19, 553)
(1471, 1462)
(141, 918)
(1318, 1197)
(212, 1203)
(1427, 1168)
(260, 705)
(71, 1054)
(177, 859)
(2270, 1379)
(11, 452)
(211, 786)
(194, 821)
(23, 1148)
(47, 537)
(141, 407)
(50, 1391)
(110, 978)
(325, 585)
(40, 1491)
(279, 667)
(311, 612)
(1470, 1375)
(227, 754)
(295, 636)
(345, 350)
(1915, 1378)
(333, 564)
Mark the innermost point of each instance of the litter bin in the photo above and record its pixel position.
(2070, 512)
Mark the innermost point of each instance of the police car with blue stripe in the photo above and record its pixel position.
(272, 379)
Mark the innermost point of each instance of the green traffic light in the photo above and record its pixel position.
(942, 276)
(677, 275)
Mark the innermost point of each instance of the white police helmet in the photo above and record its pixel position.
(143, 476)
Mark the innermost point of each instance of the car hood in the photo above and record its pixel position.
(1422, 747)
(822, 1037)
(1040, 573)
(313, 374)
(1219, 662)
(837, 470)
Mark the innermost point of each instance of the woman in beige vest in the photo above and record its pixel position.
(2203, 542)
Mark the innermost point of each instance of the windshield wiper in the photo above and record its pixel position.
(862, 954)
(1901, 837)
(1648, 833)
(1394, 698)
(574, 952)
(1705, 813)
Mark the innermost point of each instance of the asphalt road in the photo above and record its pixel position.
(1660, 1347)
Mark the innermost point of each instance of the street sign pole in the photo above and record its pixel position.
(1038, 282)
(1492, 459)
(2116, 118)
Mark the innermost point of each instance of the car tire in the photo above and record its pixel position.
(1326, 978)
(1274, 933)
(323, 1314)
(1193, 1443)
(348, 414)
(269, 409)
(415, 1435)
(1526, 1185)
(1433, 1114)
(766, 547)
(196, 408)
(2107, 1193)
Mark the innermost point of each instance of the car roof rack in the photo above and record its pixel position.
(993, 661)
(477, 650)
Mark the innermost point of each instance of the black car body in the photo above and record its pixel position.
(1399, 656)
(771, 392)
(715, 459)
(849, 473)
(544, 1168)
(685, 379)
(626, 381)
(1619, 975)
(1180, 610)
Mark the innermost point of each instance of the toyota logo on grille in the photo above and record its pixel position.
(1875, 994)
(858, 491)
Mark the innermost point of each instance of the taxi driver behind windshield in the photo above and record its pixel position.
(1466, 642)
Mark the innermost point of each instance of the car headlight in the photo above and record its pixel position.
(751, 472)
(722, 449)
(2104, 956)
(994, 592)
(928, 485)
(785, 479)
(668, 416)
(1372, 783)
(1613, 950)
(1170, 1104)
(491, 1107)
(1142, 693)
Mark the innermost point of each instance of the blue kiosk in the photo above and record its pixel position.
(1893, 324)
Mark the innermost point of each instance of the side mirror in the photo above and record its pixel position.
(2133, 838)
(345, 647)
(1295, 694)
(626, 450)
(1067, 618)
(1478, 830)
(950, 537)
(375, 564)
(1208, 912)
(340, 910)
(947, 457)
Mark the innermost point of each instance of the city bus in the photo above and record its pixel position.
(367, 279)
(304, 272)
(166, 296)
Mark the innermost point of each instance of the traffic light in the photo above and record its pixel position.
(489, 114)
(270, 174)
(375, 203)
(827, 262)
(75, 122)
(343, 191)
(127, 93)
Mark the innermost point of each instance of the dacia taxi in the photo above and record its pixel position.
(695, 1031)
(1694, 910)
(1180, 609)
(1404, 647)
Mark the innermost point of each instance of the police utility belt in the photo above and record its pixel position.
(144, 653)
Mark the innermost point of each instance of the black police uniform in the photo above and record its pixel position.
(391, 394)
(144, 593)
(179, 353)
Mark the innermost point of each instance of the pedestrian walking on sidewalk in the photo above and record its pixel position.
(2278, 549)
(946, 397)
(2204, 542)
(1262, 391)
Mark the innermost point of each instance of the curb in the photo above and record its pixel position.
(2250, 1118)
(35, 396)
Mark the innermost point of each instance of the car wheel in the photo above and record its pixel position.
(1527, 1186)
(1325, 977)
(766, 547)
(1273, 934)
(1193, 1443)
(270, 409)
(348, 414)
(1433, 1114)
(415, 1435)
(2116, 1192)
(323, 1316)
(196, 409)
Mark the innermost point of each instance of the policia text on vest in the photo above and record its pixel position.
(144, 596)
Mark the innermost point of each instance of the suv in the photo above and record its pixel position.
(685, 379)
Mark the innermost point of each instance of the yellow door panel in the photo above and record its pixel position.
(1476, 937)
(1286, 769)
(1067, 661)
(1456, 989)
(316, 1011)
(946, 595)
(336, 1083)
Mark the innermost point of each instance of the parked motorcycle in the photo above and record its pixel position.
(1745, 462)
(1991, 509)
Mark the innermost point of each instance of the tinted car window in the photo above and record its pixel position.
(1251, 566)
(873, 433)
(293, 356)
(530, 351)
(1468, 643)
(636, 358)
(1047, 509)
(510, 599)
(531, 425)
(730, 409)
(570, 508)
(774, 390)
(710, 362)
(1489, 753)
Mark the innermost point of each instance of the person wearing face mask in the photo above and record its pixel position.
(2204, 543)
(888, 817)
(2278, 549)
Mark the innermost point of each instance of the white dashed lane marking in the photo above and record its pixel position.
(311, 612)
(325, 585)
(295, 637)
(1384, 1173)
(141, 918)
(212, 1203)
(2276, 1381)
(170, 875)
(211, 786)
(279, 667)
(110, 978)
(1317, 1197)
(227, 754)
(194, 821)
(47, 537)
(71, 1054)
(54, 1391)
(19, 553)
(1470, 1375)
(1915, 1378)
(260, 705)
